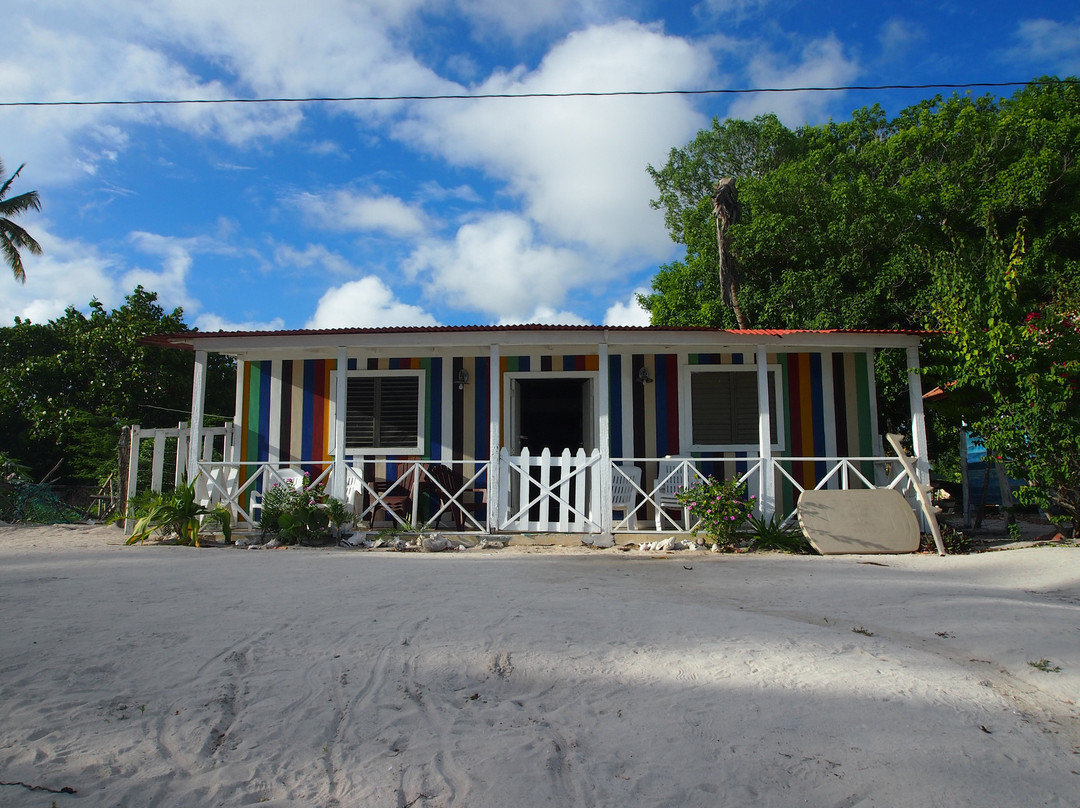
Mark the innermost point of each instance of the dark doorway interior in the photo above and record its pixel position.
(552, 414)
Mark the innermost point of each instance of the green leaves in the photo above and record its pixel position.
(14, 238)
(68, 386)
(176, 512)
(842, 222)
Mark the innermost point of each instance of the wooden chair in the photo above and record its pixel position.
(395, 497)
(449, 487)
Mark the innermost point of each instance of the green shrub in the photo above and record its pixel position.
(176, 512)
(302, 513)
(23, 500)
(772, 534)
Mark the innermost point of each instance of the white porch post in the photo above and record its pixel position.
(495, 441)
(765, 475)
(337, 490)
(238, 412)
(604, 438)
(918, 418)
(198, 407)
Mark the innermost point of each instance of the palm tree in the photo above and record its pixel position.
(13, 237)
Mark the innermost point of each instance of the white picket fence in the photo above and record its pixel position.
(550, 493)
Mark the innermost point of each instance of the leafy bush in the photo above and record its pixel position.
(956, 541)
(302, 513)
(176, 512)
(772, 534)
(720, 506)
(23, 500)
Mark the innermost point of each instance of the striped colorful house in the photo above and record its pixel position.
(631, 395)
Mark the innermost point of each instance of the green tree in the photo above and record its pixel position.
(846, 224)
(840, 221)
(1015, 363)
(12, 237)
(68, 386)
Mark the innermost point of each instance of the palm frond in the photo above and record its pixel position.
(12, 237)
(19, 204)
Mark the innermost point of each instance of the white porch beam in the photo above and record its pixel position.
(495, 440)
(198, 409)
(238, 413)
(765, 475)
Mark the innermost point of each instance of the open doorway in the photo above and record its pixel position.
(552, 413)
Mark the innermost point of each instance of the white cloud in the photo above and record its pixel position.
(170, 281)
(69, 273)
(314, 255)
(496, 266)
(545, 315)
(366, 303)
(578, 164)
(214, 322)
(518, 20)
(628, 313)
(349, 211)
(821, 63)
(1049, 42)
(173, 49)
(897, 37)
(727, 11)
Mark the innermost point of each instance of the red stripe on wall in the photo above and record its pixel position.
(672, 372)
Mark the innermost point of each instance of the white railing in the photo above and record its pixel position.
(659, 495)
(541, 493)
(170, 447)
(425, 494)
(844, 473)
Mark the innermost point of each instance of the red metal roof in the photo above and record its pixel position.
(168, 340)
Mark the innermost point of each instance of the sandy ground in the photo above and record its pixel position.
(169, 676)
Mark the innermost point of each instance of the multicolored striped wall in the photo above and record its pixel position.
(825, 406)
(300, 407)
(824, 409)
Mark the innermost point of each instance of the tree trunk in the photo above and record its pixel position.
(725, 201)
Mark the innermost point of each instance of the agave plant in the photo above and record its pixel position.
(176, 512)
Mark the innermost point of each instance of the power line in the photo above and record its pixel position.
(488, 96)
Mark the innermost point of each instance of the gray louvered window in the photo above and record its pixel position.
(383, 412)
(724, 408)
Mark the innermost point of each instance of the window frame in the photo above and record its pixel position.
(687, 412)
(421, 397)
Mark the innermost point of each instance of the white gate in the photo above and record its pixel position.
(550, 494)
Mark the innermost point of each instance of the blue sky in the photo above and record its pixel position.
(431, 212)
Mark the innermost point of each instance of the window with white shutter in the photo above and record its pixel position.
(724, 408)
(383, 413)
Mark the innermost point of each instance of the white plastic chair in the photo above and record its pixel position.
(666, 485)
(270, 478)
(625, 481)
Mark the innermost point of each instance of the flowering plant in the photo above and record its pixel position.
(720, 506)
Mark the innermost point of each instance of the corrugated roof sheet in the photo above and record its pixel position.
(168, 339)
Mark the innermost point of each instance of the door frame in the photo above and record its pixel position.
(511, 410)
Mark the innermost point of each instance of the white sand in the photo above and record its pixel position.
(169, 676)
